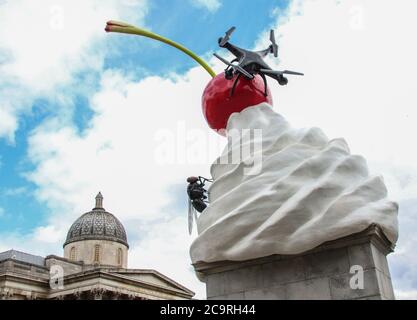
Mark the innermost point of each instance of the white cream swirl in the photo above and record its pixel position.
(310, 190)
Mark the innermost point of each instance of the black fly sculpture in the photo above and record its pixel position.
(197, 198)
(250, 63)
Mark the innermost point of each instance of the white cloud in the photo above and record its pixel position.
(49, 234)
(1, 212)
(165, 249)
(45, 44)
(28, 243)
(116, 154)
(8, 124)
(211, 5)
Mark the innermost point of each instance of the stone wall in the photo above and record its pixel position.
(23, 268)
(323, 273)
(84, 251)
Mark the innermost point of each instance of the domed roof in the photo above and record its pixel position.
(97, 224)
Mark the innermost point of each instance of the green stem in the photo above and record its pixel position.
(121, 27)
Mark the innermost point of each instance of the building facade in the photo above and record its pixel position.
(94, 266)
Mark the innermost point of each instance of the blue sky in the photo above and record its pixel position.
(80, 110)
(196, 28)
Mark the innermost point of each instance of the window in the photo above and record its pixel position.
(97, 253)
(73, 254)
(119, 256)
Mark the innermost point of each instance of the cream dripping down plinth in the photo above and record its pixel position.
(309, 190)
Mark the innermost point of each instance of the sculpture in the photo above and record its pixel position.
(310, 189)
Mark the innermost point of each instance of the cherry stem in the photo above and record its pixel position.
(121, 27)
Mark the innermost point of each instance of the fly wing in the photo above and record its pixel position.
(195, 216)
(190, 216)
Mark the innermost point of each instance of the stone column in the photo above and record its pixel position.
(353, 267)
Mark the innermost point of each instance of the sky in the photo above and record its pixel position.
(83, 111)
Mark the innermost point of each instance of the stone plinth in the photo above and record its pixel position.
(322, 273)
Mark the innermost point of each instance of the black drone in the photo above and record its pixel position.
(250, 63)
(197, 197)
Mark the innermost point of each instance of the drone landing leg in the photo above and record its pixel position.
(234, 85)
(265, 84)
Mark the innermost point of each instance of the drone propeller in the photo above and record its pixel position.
(226, 38)
(234, 66)
(267, 71)
(274, 45)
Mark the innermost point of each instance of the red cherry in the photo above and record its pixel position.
(218, 105)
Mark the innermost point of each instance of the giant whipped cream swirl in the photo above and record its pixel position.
(309, 190)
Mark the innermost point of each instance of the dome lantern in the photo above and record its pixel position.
(99, 202)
